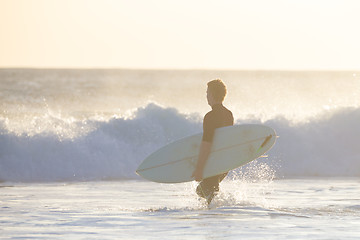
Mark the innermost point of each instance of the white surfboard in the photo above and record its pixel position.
(232, 147)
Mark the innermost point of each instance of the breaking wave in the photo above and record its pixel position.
(327, 145)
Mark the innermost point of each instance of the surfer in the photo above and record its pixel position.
(218, 117)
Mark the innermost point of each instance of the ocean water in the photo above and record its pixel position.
(70, 141)
(132, 209)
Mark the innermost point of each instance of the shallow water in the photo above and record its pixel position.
(280, 209)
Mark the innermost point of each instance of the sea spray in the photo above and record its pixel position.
(112, 149)
(96, 124)
(326, 145)
(247, 186)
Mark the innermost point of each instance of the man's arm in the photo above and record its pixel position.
(205, 149)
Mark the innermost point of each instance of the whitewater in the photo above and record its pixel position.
(71, 139)
(65, 125)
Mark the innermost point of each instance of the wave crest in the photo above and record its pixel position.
(325, 146)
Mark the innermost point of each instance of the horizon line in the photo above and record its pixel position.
(181, 69)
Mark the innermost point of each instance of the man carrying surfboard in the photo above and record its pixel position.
(218, 117)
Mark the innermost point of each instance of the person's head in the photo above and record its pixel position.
(216, 91)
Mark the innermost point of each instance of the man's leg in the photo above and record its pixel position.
(208, 187)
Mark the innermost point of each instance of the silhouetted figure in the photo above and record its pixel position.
(218, 117)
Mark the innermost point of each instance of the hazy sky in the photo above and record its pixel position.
(253, 34)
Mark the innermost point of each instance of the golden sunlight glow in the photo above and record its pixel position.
(229, 34)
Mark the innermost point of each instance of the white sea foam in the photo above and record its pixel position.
(112, 149)
(327, 145)
(92, 124)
